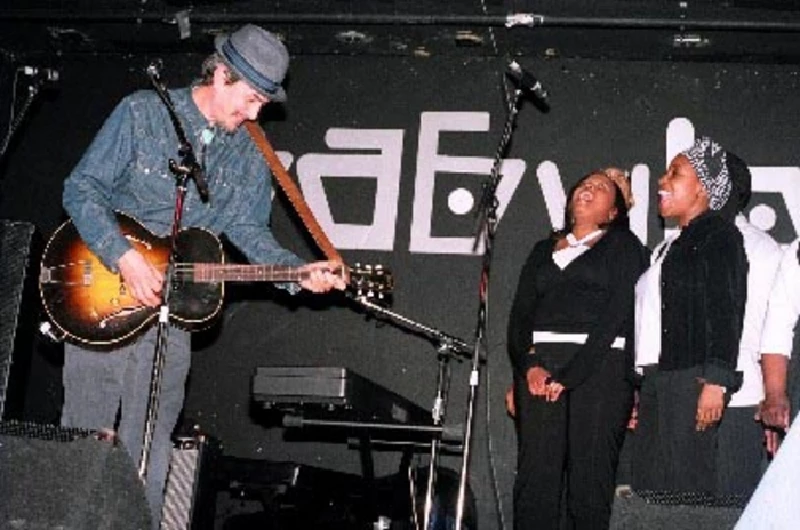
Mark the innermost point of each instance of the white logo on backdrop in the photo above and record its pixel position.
(430, 162)
(384, 166)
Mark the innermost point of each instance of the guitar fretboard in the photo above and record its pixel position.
(213, 272)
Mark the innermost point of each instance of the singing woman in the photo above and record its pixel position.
(570, 337)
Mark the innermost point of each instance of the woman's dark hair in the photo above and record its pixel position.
(621, 220)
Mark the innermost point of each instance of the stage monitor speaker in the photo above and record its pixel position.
(633, 512)
(67, 479)
(15, 245)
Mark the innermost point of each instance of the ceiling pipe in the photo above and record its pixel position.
(513, 20)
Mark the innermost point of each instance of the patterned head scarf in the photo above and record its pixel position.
(709, 161)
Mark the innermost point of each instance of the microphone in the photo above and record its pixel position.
(40, 74)
(154, 68)
(526, 81)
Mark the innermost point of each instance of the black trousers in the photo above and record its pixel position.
(670, 456)
(741, 456)
(568, 450)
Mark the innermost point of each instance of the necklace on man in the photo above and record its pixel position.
(206, 136)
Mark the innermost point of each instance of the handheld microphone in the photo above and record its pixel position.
(526, 81)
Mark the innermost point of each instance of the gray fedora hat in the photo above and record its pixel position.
(258, 57)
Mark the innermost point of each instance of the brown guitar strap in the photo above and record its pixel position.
(292, 192)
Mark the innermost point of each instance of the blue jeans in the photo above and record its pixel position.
(99, 384)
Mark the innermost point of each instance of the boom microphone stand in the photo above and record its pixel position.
(487, 224)
(188, 168)
(447, 346)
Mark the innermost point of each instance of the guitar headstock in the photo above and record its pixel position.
(371, 281)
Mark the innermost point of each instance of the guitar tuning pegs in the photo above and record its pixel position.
(370, 281)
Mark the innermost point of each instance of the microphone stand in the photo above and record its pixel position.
(33, 90)
(455, 344)
(487, 224)
(188, 168)
(447, 347)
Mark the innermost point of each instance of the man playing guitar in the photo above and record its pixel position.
(125, 169)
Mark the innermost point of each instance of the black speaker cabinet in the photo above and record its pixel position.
(52, 477)
(15, 245)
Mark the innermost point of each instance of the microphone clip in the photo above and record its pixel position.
(190, 168)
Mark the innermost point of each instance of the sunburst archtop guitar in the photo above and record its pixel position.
(90, 304)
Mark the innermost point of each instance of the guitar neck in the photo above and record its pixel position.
(214, 273)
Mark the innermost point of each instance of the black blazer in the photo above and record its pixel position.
(594, 295)
(703, 294)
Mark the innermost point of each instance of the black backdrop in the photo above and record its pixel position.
(602, 113)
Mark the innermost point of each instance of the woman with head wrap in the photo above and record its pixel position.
(689, 312)
(569, 338)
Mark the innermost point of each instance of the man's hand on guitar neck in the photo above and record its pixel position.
(142, 280)
(324, 276)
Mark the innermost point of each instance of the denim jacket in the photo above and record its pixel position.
(126, 169)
